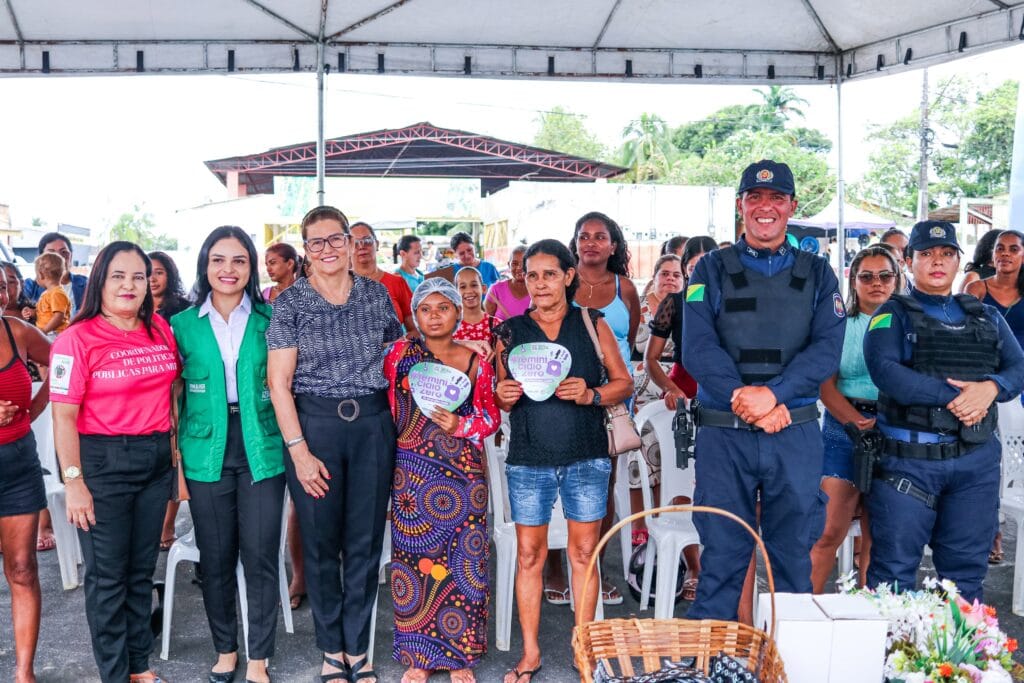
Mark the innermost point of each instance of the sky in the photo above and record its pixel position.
(82, 150)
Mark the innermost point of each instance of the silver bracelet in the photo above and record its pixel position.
(294, 442)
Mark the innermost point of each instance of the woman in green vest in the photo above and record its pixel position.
(231, 447)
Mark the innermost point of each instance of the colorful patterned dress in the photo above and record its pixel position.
(439, 553)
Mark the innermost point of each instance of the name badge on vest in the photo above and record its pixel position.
(540, 367)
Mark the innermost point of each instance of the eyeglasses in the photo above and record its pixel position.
(364, 242)
(317, 244)
(883, 276)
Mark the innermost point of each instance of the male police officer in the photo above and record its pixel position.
(763, 327)
(939, 362)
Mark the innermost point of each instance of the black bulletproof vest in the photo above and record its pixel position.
(765, 321)
(965, 351)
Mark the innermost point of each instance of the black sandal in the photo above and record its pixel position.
(357, 675)
(343, 675)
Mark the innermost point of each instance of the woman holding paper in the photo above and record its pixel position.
(558, 444)
(442, 401)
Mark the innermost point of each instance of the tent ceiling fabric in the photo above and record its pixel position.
(787, 41)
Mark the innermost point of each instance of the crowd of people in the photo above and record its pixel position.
(310, 390)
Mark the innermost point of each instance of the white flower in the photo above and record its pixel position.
(995, 673)
(915, 677)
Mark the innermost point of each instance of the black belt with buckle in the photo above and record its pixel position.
(345, 409)
(706, 417)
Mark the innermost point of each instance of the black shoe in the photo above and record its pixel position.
(221, 676)
(343, 675)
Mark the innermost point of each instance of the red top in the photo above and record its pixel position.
(122, 380)
(16, 387)
(479, 331)
(401, 295)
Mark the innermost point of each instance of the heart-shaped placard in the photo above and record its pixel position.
(435, 385)
(539, 367)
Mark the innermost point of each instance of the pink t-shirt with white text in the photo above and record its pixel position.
(121, 380)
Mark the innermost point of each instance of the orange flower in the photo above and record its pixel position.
(1011, 645)
(946, 670)
(990, 611)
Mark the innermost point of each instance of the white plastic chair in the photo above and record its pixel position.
(669, 533)
(385, 560)
(185, 549)
(1011, 498)
(503, 532)
(69, 550)
(623, 506)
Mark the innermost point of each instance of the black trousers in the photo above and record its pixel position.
(349, 520)
(237, 516)
(129, 478)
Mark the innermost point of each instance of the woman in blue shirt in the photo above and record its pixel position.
(850, 396)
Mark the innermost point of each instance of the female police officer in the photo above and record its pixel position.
(940, 362)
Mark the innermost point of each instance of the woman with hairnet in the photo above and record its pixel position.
(442, 400)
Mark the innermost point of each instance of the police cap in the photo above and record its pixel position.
(928, 234)
(773, 175)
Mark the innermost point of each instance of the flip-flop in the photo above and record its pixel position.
(690, 590)
(529, 674)
(995, 556)
(166, 543)
(611, 596)
(556, 597)
(44, 543)
(295, 600)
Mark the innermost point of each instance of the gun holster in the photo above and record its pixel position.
(685, 430)
(868, 448)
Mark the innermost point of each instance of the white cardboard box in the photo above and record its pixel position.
(858, 638)
(803, 634)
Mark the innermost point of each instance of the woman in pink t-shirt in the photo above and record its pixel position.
(111, 374)
(509, 298)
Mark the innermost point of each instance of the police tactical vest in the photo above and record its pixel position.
(966, 351)
(765, 321)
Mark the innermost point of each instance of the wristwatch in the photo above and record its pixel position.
(597, 398)
(72, 472)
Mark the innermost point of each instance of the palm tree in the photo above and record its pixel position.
(647, 148)
(779, 104)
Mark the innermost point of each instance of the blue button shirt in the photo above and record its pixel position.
(888, 352)
(706, 358)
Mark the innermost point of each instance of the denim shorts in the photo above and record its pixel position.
(582, 485)
(21, 478)
(838, 461)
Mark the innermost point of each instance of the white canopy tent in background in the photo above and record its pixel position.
(718, 41)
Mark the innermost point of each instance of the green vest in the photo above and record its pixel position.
(203, 429)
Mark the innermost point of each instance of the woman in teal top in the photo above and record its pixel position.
(850, 396)
(231, 448)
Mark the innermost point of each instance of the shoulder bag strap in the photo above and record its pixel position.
(593, 333)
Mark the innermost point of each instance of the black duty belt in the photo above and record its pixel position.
(706, 417)
(924, 451)
(864, 405)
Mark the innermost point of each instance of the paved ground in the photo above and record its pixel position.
(65, 654)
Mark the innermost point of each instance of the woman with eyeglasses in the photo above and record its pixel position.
(327, 340)
(850, 396)
(364, 262)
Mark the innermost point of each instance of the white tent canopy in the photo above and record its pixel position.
(789, 41)
(853, 217)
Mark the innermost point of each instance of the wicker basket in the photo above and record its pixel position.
(630, 647)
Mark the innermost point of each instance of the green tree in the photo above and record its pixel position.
(724, 163)
(563, 131)
(893, 163)
(697, 137)
(779, 105)
(137, 226)
(647, 148)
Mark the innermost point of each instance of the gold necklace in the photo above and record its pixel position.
(584, 280)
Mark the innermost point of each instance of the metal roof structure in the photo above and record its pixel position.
(790, 41)
(421, 150)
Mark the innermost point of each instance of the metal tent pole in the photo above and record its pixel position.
(1017, 168)
(320, 162)
(840, 182)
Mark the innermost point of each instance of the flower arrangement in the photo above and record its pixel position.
(935, 636)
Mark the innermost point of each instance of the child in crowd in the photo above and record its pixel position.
(476, 325)
(53, 310)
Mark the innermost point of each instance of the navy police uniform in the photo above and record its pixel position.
(937, 483)
(756, 317)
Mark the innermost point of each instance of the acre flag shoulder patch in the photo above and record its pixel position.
(695, 293)
(882, 321)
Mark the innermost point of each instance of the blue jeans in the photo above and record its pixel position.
(583, 486)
